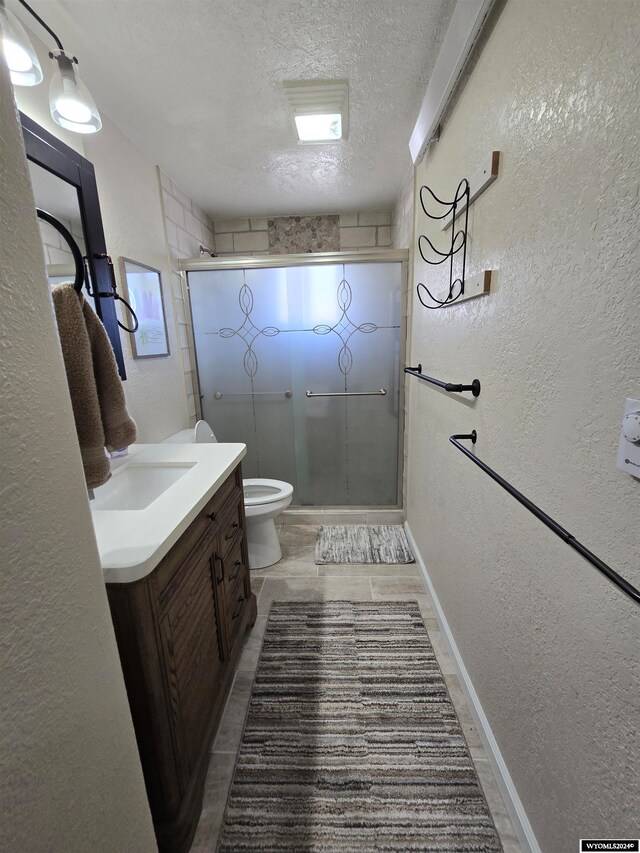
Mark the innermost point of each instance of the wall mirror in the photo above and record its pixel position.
(60, 199)
(64, 185)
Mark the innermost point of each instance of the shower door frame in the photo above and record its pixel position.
(234, 262)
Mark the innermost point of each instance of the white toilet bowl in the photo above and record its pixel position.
(264, 500)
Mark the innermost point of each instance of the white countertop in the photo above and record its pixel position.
(132, 542)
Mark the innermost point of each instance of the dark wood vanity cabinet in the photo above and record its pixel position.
(179, 633)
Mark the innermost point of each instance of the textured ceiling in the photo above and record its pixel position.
(198, 87)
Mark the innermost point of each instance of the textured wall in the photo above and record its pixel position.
(402, 217)
(551, 646)
(134, 228)
(71, 778)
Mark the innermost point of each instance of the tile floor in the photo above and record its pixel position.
(296, 577)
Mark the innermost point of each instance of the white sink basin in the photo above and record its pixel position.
(135, 486)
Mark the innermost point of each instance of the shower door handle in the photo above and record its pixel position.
(379, 393)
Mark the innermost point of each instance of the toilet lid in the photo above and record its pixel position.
(260, 491)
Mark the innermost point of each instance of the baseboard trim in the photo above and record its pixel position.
(517, 813)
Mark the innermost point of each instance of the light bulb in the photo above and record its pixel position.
(17, 57)
(22, 61)
(72, 107)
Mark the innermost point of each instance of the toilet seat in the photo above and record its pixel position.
(264, 500)
(263, 491)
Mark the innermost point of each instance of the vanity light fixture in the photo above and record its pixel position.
(320, 109)
(70, 102)
(22, 60)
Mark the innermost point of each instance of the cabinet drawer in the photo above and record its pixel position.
(181, 560)
(177, 565)
(230, 526)
(235, 609)
(216, 506)
(234, 572)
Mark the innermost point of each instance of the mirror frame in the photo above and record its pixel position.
(61, 160)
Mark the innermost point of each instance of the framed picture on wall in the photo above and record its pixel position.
(143, 291)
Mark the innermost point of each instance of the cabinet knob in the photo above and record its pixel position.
(212, 516)
(238, 568)
(238, 609)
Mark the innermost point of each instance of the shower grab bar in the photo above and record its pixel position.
(380, 393)
(218, 395)
(448, 386)
(553, 525)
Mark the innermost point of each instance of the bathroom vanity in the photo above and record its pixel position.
(180, 620)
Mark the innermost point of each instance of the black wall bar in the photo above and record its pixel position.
(448, 386)
(606, 570)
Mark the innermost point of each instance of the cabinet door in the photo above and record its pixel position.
(192, 647)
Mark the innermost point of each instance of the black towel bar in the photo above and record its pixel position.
(601, 566)
(448, 386)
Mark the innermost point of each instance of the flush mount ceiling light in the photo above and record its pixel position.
(22, 61)
(320, 109)
(70, 102)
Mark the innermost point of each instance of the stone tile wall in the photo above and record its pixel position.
(297, 234)
(187, 227)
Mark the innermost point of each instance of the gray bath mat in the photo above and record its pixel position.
(362, 543)
(351, 743)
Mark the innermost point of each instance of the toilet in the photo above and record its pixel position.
(264, 500)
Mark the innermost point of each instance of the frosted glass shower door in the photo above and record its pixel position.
(244, 364)
(348, 442)
(291, 360)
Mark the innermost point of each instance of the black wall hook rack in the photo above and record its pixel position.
(113, 294)
(448, 386)
(553, 525)
(458, 243)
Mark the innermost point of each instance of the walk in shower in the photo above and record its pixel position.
(300, 358)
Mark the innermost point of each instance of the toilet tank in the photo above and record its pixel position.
(200, 434)
(185, 436)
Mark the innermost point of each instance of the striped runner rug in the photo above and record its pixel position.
(351, 742)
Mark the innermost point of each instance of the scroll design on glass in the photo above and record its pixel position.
(344, 328)
(458, 243)
(247, 330)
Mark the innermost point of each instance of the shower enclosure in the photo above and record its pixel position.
(300, 358)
